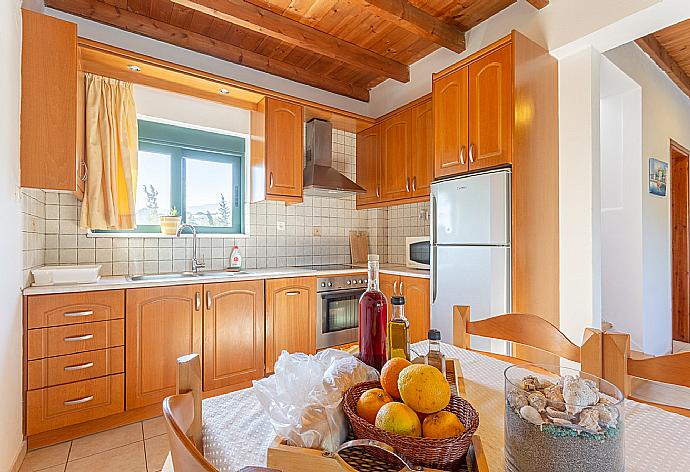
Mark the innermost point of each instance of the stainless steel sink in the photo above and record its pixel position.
(179, 275)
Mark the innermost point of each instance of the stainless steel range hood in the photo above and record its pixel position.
(320, 178)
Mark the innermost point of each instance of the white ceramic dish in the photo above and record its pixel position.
(62, 275)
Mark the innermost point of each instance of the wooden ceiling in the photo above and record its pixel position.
(343, 46)
(670, 49)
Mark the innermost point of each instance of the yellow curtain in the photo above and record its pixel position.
(111, 155)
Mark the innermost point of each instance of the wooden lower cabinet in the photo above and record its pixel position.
(233, 333)
(388, 284)
(163, 323)
(417, 301)
(290, 317)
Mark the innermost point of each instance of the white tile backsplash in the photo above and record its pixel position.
(52, 235)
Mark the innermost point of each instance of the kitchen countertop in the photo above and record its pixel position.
(121, 282)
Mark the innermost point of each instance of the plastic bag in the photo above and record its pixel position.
(303, 398)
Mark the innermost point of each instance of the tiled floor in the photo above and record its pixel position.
(138, 447)
(680, 346)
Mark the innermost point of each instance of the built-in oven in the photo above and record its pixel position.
(337, 309)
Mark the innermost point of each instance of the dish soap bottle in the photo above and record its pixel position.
(235, 259)
(373, 314)
(398, 330)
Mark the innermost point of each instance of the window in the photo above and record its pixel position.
(198, 173)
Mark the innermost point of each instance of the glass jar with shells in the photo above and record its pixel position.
(559, 419)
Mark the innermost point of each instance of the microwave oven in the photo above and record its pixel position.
(418, 252)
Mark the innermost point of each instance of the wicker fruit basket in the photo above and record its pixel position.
(444, 454)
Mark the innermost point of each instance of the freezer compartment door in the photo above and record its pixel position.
(475, 276)
(472, 210)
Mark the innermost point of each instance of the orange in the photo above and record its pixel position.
(389, 375)
(443, 424)
(424, 388)
(370, 402)
(398, 418)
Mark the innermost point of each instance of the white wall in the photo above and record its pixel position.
(665, 116)
(10, 237)
(622, 190)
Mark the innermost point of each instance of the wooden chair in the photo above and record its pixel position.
(621, 366)
(182, 413)
(531, 331)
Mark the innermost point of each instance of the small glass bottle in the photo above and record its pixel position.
(398, 330)
(373, 314)
(435, 356)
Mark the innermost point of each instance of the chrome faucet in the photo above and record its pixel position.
(196, 265)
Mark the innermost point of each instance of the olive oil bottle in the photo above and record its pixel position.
(398, 331)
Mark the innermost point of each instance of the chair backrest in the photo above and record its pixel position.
(532, 331)
(620, 366)
(182, 413)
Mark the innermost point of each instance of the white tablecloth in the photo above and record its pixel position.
(236, 432)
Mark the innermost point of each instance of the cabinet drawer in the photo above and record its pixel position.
(73, 308)
(61, 340)
(64, 405)
(59, 370)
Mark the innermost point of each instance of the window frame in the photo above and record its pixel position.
(183, 144)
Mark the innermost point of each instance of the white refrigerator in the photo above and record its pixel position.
(470, 251)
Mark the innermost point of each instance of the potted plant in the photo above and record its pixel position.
(171, 222)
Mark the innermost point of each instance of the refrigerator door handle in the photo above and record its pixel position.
(434, 278)
(433, 218)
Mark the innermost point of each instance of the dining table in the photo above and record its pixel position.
(237, 432)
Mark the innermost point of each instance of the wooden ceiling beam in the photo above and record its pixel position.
(261, 20)
(418, 22)
(139, 24)
(538, 4)
(663, 59)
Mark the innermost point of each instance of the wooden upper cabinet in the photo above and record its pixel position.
(162, 324)
(396, 152)
(52, 105)
(277, 153)
(233, 334)
(422, 157)
(290, 317)
(368, 152)
(451, 128)
(491, 109)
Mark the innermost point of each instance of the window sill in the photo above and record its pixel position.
(168, 236)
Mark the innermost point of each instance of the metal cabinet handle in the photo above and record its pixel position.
(197, 301)
(78, 401)
(407, 184)
(395, 287)
(79, 313)
(86, 171)
(293, 293)
(471, 152)
(85, 337)
(270, 180)
(414, 183)
(462, 155)
(378, 191)
(209, 300)
(401, 287)
(83, 366)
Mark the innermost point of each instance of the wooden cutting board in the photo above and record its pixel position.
(359, 246)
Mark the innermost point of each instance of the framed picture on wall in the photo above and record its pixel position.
(658, 177)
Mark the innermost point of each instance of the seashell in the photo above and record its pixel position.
(531, 414)
(592, 384)
(544, 384)
(561, 421)
(608, 416)
(554, 397)
(537, 400)
(577, 395)
(589, 419)
(517, 399)
(529, 383)
(557, 414)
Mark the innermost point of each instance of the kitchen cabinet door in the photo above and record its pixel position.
(368, 158)
(284, 148)
(389, 285)
(491, 109)
(449, 96)
(417, 306)
(233, 333)
(162, 324)
(290, 317)
(52, 105)
(396, 151)
(422, 158)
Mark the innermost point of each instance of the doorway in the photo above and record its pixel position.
(680, 255)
